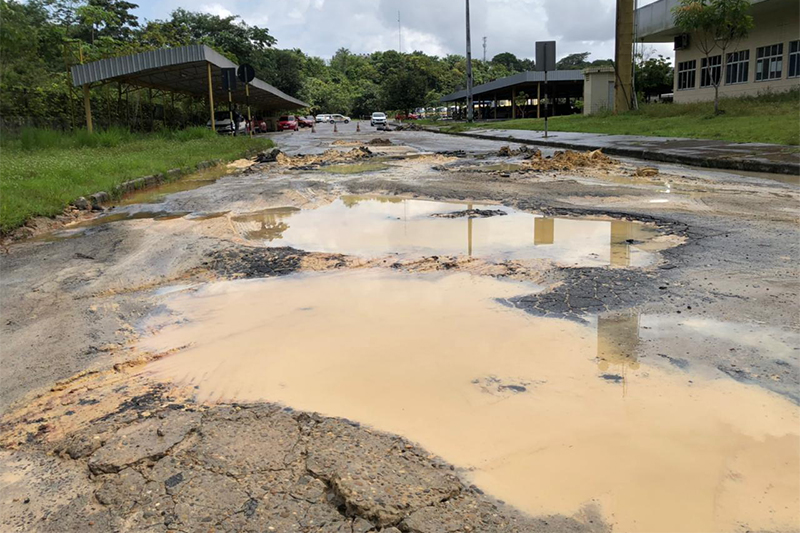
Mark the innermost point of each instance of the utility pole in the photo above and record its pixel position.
(399, 34)
(470, 109)
(623, 57)
(484, 49)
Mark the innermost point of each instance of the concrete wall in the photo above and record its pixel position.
(777, 26)
(597, 95)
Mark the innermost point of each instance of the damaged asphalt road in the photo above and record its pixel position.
(93, 440)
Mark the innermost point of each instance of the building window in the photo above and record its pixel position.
(769, 62)
(710, 71)
(794, 59)
(686, 74)
(737, 67)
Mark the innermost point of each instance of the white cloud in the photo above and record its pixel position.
(321, 27)
(216, 9)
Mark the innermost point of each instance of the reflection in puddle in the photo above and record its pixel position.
(523, 402)
(267, 224)
(379, 226)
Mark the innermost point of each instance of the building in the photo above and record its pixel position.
(767, 60)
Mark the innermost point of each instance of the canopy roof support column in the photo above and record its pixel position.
(87, 105)
(513, 102)
(211, 98)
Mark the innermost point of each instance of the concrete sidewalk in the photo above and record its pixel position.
(755, 157)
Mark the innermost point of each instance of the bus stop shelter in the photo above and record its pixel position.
(194, 70)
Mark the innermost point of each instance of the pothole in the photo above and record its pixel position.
(379, 226)
(546, 414)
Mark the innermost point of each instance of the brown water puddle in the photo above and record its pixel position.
(154, 195)
(378, 226)
(529, 406)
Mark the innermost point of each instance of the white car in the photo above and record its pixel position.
(338, 118)
(322, 118)
(377, 118)
(222, 123)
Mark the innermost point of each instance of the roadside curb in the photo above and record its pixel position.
(749, 165)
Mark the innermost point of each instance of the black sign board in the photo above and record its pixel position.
(545, 56)
(246, 73)
(229, 79)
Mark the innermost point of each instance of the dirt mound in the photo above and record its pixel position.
(408, 127)
(571, 160)
(525, 151)
(377, 141)
(268, 156)
(326, 158)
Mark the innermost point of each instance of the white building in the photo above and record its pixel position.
(767, 60)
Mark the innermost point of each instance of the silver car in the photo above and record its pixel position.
(377, 118)
(338, 118)
(322, 118)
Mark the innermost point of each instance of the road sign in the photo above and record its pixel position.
(229, 79)
(246, 73)
(545, 61)
(545, 56)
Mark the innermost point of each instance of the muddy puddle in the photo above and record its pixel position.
(154, 195)
(378, 226)
(549, 415)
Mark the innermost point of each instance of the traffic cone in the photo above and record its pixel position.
(335, 129)
(358, 126)
(314, 127)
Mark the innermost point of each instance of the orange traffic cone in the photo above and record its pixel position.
(314, 127)
(358, 126)
(335, 129)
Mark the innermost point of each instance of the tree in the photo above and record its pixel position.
(508, 60)
(654, 75)
(573, 61)
(714, 25)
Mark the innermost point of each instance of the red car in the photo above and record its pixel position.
(403, 116)
(288, 122)
(305, 122)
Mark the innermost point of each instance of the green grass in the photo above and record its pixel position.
(771, 118)
(42, 171)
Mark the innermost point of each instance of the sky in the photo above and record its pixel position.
(320, 27)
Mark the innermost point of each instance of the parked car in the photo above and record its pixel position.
(223, 124)
(305, 122)
(403, 116)
(377, 118)
(288, 122)
(323, 118)
(339, 118)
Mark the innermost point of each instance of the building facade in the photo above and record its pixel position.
(768, 60)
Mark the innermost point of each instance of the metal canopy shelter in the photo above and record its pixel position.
(562, 84)
(195, 70)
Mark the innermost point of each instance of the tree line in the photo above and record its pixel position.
(42, 39)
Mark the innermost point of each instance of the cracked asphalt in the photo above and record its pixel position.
(90, 443)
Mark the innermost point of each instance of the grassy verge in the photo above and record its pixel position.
(771, 118)
(42, 171)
